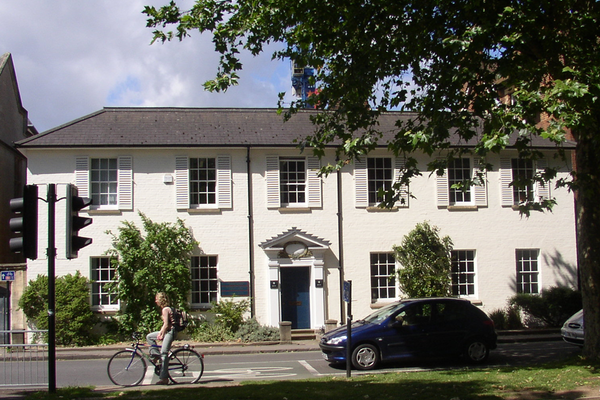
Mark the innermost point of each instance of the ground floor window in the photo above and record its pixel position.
(527, 271)
(463, 272)
(204, 280)
(383, 279)
(102, 274)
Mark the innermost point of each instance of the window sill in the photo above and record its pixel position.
(462, 208)
(382, 303)
(104, 212)
(203, 210)
(292, 210)
(380, 209)
(105, 310)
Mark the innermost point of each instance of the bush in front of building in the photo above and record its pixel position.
(75, 321)
(425, 263)
(252, 331)
(230, 313)
(507, 319)
(553, 306)
(147, 261)
(229, 324)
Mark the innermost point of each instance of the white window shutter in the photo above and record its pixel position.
(224, 199)
(442, 189)
(125, 182)
(400, 161)
(272, 177)
(314, 181)
(82, 176)
(480, 190)
(182, 187)
(505, 180)
(361, 184)
(542, 190)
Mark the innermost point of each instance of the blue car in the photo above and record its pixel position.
(414, 328)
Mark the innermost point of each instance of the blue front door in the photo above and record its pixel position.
(295, 296)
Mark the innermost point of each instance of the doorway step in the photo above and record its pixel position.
(304, 334)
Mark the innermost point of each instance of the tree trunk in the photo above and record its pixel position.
(588, 237)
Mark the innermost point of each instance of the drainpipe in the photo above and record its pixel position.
(250, 235)
(340, 243)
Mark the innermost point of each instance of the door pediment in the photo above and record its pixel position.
(294, 243)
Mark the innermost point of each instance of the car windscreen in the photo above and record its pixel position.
(380, 315)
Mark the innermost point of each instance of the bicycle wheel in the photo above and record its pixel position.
(185, 366)
(126, 368)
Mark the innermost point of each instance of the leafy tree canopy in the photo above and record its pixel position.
(146, 265)
(445, 60)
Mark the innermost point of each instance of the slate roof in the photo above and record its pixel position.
(190, 127)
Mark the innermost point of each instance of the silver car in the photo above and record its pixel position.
(572, 330)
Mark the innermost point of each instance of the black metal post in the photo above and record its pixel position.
(349, 333)
(51, 253)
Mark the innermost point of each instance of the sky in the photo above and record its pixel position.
(74, 57)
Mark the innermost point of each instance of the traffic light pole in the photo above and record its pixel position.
(51, 253)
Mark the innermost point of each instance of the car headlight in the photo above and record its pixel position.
(336, 340)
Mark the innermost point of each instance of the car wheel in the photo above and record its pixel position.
(365, 356)
(477, 351)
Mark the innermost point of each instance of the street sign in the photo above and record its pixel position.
(7, 276)
(347, 289)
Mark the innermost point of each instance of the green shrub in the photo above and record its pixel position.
(231, 313)
(208, 332)
(513, 318)
(553, 306)
(74, 319)
(426, 264)
(252, 331)
(506, 319)
(499, 318)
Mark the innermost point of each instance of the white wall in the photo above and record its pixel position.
(493, 231)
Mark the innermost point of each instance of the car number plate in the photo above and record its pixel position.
(325, 356)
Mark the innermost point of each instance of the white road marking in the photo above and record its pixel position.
(251, 373)
(149, 375)
(309, 367)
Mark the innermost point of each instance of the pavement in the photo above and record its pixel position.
(95, 352)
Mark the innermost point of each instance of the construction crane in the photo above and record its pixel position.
(301, 85)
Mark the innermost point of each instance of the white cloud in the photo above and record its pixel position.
(73, 57)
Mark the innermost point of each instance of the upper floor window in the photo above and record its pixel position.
(102, 274)
(375, 175)
(103, 180)
(380, 176)
(205, 282)
(522, 171)
(203, 182)
(107, 181)
(458, 171)
(516, 177)
(463, 272)
(293, 182)
(383, 278)
(527, 271)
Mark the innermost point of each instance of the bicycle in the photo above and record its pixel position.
(128, 367)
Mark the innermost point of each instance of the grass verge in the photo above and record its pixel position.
(567, 379)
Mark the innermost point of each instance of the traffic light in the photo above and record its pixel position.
(26, 223)
(75, 222)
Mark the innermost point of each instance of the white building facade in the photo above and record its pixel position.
(271, 230)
